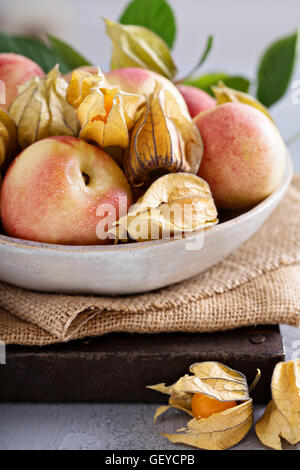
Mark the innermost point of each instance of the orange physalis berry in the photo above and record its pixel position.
(204, 406)
(108, 104)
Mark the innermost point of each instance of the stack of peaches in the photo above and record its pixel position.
(72, 146)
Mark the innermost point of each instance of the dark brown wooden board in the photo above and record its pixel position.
(117, 367)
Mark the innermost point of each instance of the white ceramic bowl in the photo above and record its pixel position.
(131, 268)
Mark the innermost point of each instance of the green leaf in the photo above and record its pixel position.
(209, 44)
(70, 57)
(205, 82)
(276, 68)
(136, 46)
(238, 83)
(156, 15)
(35, 50)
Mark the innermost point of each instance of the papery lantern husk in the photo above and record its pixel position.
(225, 94)
(162, 141)
(281, 419)
(136, 46)
(176, 203)
(106, 114)
(220, 430)
(8, 139)
(41, 110)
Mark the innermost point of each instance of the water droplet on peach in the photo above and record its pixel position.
(77, 188)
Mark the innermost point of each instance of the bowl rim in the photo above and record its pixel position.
(240, 219)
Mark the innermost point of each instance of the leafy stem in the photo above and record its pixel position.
(208, 46)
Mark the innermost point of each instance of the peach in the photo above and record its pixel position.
(142, 81)
(197, 100)
(244, 154)
(54, 189)
(14, 71)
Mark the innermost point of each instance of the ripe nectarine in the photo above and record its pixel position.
(197, 100)
(15, 70)
(55, 189)
(244, 154)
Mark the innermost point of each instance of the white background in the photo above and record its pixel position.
(242, 28)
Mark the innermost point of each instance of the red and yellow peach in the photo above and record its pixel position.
(53, 190)
(197, 100)
(142, 81)
(244, 154)
(14, 71)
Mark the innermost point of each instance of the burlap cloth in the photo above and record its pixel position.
(258, 284)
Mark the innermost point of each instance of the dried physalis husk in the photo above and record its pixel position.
(163, 140)
(174, 204)
(224, 94)
(41, 110)
(106, 114)
(8, 138)
(281, 418)
(222, 429)
(136, 46)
